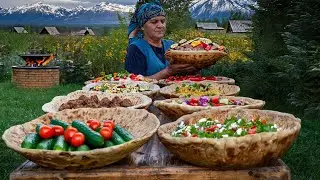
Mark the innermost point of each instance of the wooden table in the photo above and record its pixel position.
(151, 161)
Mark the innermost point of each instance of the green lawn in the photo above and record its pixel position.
(21, 105)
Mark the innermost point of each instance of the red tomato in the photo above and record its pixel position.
(109, 123)
(212, 128)
(116, 78)
(132, 76)
(58, 130)
(106, 133)
(195, 79)
(213, 78)
(77, 139)
(194, 100)
(215, 100)
(70, 131)
(46, 132)
(194, 135)
(253, 130)
(94, 124)
(90, 120)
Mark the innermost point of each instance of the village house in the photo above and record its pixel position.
(84, 32)
(209, 27)
(50, 31)
(19, 30)
(239, 26)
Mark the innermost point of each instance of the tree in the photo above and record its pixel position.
(303, 42)
(178, 14)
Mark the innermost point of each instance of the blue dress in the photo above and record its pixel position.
(142, 58)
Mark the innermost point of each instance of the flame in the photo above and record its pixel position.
(39, 62)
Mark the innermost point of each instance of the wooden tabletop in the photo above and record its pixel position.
(151, 161)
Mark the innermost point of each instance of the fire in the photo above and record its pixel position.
(34, 60)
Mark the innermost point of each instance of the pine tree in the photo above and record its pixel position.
(303, 41)
(178, 14)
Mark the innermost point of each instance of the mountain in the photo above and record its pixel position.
(207, 9)
(107, 13)
(40, 13)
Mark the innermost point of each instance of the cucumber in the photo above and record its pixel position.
(60, 144)
(31, 141)
(98, 129)
(93, 138)
(46, 144)
(126, 136)
(116, 139)
(60, 123)
(38, 127)
(83, 148)
(108, 144)
(72, 148)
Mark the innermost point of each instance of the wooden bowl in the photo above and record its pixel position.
(139, 122)
(220, 80)
(140, 101)
(154, 81)
(232, 152)
(174, 110)
(199, 59)
(224, 89)
(154, 89)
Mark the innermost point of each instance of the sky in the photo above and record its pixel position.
(65, 3)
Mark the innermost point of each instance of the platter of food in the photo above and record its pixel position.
(198, 89)
(177, 107)
(83, 138)
(230, 138)
(201, 52)
(96, 99)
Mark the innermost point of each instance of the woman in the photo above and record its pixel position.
(145, 54)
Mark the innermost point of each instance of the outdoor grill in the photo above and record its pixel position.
(36, 73)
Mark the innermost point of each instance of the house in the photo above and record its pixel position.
(209, 27)
(19, 30)
(84, 32)
(239, 26)
(50, 31)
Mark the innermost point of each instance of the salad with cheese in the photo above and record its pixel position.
(230, 127)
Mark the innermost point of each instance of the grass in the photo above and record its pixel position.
(21, 105)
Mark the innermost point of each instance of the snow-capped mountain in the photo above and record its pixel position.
(40, 13)
(107, 13)
(205, 9)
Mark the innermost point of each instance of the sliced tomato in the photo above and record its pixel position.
(212, 78)
(106, 133)
(109, 123)
(196, 79)
(116, 78)
(46, 132)
(212, 128)
(70, 131)
(77, 139)
(194, 135)
(215, 100)
(58, 130)
(94, 124)
(253, 130)
(194, 100)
